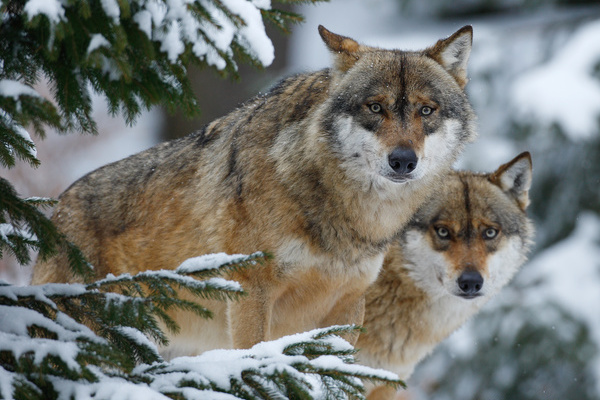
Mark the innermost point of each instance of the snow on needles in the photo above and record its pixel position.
(174, 26)
(52, 9)
(222, 367)
(211, 261)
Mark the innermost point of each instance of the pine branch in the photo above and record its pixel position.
(270, 371)
(23, 227)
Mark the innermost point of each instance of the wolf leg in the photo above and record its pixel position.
(350, 309)
(250, 317)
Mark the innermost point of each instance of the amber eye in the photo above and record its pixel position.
(490, 233)
(442, 232)
(426, 110)
(375, 107)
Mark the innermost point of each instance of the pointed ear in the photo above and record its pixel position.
(344, 49)
(453, 53)
(514, 178)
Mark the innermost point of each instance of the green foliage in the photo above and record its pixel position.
(23, 227)
(59, 339)
(76, 332)
(312, 365)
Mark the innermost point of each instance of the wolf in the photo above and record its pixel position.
(322, 171)
(461, 247)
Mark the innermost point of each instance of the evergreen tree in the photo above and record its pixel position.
(90, 340)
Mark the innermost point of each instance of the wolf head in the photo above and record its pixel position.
(395, 116)
(472, 236)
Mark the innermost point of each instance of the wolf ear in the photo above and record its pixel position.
(344, 49)
(453, 53)
(514, 178)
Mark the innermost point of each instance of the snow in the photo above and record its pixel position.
(218, 369)
(569, 271)
(14, 337)
(15, 89)
(211, 261)
(52, 9)
(564, 90)
(42, 292)
(96, 42)
(107, 387)
(144, 20)
(252, 35)
(138, 337)
(171, 43)
(174, 26)
(6, 382)
(216, 283)
(223, 366)
(111, 9)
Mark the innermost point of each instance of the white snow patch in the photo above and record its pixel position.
(171, 42)
(96, 42)
(210, 261)
(111, 8)
(144, 20)
(564, 90)
(15, 89)
(262, 4)
(253, 36)
(6, 383)
(52, 9)
(138, 337)
(106, 388)
(9, 229)
(223, 366)
(14, 337)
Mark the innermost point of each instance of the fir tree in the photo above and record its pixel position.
(91, 340)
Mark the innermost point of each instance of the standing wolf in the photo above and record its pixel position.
(460, 249)
(322, 172)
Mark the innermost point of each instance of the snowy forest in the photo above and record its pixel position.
(535, 85)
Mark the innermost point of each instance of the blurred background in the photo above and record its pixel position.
(535, 85)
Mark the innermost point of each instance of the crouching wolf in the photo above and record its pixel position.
(322, 171)
(462, 246)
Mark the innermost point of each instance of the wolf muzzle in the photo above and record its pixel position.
(470, 283)
(403, 161)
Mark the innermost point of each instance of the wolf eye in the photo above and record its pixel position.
(375, 107)
(426, 110)
(442, 232)
(490, 233)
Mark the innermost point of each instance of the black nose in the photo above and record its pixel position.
(403, 160)
(470, 283)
